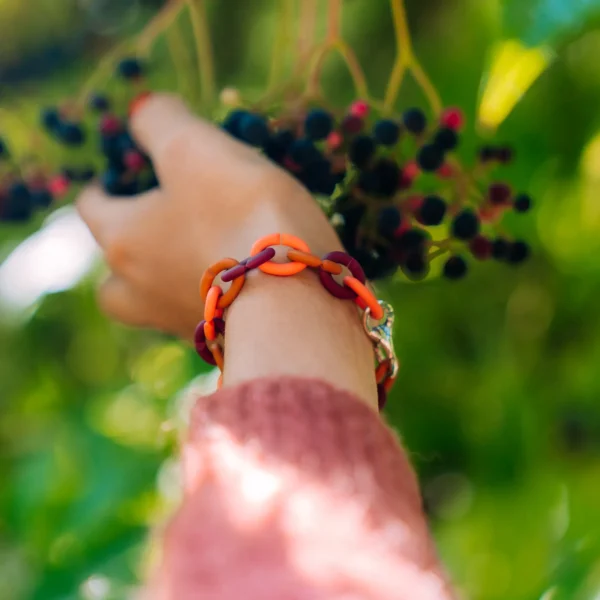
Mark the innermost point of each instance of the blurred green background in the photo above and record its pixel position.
(498, 399)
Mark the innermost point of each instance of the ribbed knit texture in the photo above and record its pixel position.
(296, 491)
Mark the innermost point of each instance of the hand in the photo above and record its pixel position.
(216, 197)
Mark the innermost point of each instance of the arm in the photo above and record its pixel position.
(216, 198)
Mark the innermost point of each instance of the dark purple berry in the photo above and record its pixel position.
(41, 198)
(318, 124)
(446, 139)
(430, 157)
(388, 220)
(352, 216)
(71, 134)
(413, 240)
(414, 120)
(499, 193)
(386, 132)
(500, 248)
(4, 153)
(303, 152)
(387, 177)
(232, 121)
(362, 150)
(50, 119)
(254, 130)
(415, 266)
(130, 68)
(518, 252)
(487, 153)
(465, 225)
(111, 182)
(99, 103)
(277, 145)
(455, 268)
(17, 206)
(317, 177)
(505, 154)
(432, 210)
(522, 203)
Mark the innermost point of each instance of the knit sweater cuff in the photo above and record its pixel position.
(301, 490)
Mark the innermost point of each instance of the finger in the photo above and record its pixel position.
(173, 136)
(121, 302)
(104, 214)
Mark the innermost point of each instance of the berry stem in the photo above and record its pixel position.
(427, 86)
(356, 72)
(393, 87)
(406, 59)
(284, 33)
(103, 72)
(181, 61)
(306, 29)
(403, 53)
(334, 21)
(436, 253)
(157, 25)
(203, 51)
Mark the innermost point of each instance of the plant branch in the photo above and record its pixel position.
(428, 88)
(394, 83)
(406, 59)
(157, 25)
(306, 28)
(203, 51)
(334, 20)
(284, 31)
(143, 44)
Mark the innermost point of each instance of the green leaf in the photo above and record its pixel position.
(537, 22)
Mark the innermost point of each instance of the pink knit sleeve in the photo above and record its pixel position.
(296, 491)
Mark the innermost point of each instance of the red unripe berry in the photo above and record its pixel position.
(445, 171)
(411, 169)
(453, 118)
(58, 186)
(334, 140)
(480, 247)
(134, 161)
(413, 204)
(359, 109)
(110, 125)
(352, 124)
(499, 193)
(490, 213)
(404, 226)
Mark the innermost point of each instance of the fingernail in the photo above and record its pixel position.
(138, 102)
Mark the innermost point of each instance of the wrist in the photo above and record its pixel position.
(292, 326)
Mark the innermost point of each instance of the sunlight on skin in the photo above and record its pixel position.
(51, 260)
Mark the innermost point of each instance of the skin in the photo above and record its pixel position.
(217, 197)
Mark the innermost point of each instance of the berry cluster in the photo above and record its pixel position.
(125, 171)
(387, 181)
(388, 184)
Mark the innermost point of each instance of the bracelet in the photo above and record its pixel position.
(378, 316)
